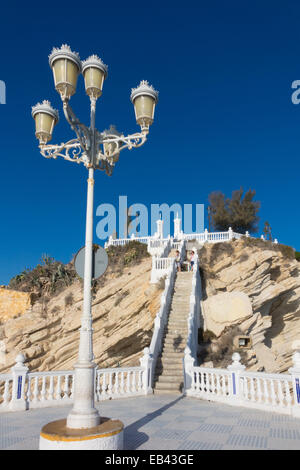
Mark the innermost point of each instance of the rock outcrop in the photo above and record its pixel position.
(269, 277)
(13, 303)
(123, 309)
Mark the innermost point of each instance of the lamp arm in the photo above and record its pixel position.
(118, 143)
(83, 133)
(71, 151)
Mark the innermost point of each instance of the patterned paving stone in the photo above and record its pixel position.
(248, 441)
(165, 422)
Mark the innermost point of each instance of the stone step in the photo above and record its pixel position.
(167, 361)
(170, 368)
(175, 332)
(169, 373)
(180, 322)
(178, 316)
(176, 342)
(167, 392)
(167, 386)
(169, 379)
(169, 348)
(172, 356)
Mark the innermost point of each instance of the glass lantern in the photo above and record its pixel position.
(94, 72)
(66, 66)
(144, 99)
(45, 119)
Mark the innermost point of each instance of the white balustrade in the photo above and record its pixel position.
(120, 382)
(156, 245)
(26, 390)
(278, 393)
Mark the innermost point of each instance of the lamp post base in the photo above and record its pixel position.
(108, 435)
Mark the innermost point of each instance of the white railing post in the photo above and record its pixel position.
(205, 235)
(247, 234)
(295, 373)
(276, 241)
(230, 233)
(235, 368)
(19, 374)
(188, 364)
(146, 362)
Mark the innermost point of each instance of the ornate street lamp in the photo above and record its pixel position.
(96, 150)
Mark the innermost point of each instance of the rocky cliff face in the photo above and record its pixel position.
(255, 286)
(124, 307)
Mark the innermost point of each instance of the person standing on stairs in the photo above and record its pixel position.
(178, 261)
(192, 261)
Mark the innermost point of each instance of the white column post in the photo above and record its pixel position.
(177, 227)
(247, 234)
(230, 233)
(262, 237)
(160, 231)
(205, 235)
(236, 368)
(295, 373)
(146, 362)
(188, 364)
(276, 241)
(19, 373)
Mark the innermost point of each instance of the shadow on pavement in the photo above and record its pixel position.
(133, 438)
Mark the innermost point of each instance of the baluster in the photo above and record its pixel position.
(128, 382)
(242, 386)
(139, 380)
(66, 387)
(110, 383)
(116, 388)
(72, 386)
(259, 392)
(51, 388)
(224, 385)
(104, 392)
(280, 393)
(266, 391)
(207, 382)
(36, 389)
(246, 388)
(212, 382)
(288, 397)
(98, 386)
(198, 381)
(29, 389)
(58, 388)
(273, 394)
(218, 385)
(43, 392)
(6, 392)
(133, 382)
(252, 389)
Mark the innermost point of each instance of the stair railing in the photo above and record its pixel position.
(190, 352)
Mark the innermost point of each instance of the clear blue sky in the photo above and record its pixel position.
(224, 119)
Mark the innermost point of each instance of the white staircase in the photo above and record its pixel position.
(169, 367)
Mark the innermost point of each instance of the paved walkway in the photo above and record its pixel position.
(168, 422)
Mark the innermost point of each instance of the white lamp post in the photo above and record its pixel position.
(96, 150)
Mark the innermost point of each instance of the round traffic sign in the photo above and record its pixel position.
(99, 262)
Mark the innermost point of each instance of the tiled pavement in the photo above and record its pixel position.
(168, 422)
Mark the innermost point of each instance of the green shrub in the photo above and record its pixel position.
(127, 255)
(297, 255)
(47, 278)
